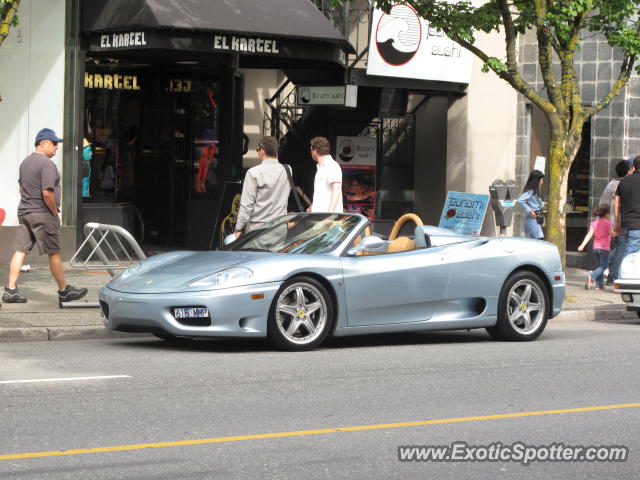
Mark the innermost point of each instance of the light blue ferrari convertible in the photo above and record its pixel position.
(307, 276)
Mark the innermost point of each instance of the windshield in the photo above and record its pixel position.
(299, 233)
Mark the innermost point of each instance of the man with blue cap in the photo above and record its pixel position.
(38, 217)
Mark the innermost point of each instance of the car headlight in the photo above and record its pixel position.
(129, 272)
(630, 266)
(224, 278)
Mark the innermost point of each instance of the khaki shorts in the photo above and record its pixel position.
(42, 229)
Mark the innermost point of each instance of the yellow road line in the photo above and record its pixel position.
(300, 433)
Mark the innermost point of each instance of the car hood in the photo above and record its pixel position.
(173, 272)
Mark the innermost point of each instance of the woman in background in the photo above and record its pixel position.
(87, 155)
(531, 204)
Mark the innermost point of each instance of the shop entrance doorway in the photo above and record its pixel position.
(178, 185)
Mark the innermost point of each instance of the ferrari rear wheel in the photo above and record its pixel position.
(301, 315)
(522, 308)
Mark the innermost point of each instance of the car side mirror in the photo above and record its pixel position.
(228, 239)
(370, 244)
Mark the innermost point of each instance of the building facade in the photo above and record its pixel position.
(173, 99)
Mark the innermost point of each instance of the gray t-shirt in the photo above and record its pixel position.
(37, 173)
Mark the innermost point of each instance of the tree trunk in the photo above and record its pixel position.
(557, 178)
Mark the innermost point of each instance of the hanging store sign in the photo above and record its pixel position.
(346, 95)
(402, 44)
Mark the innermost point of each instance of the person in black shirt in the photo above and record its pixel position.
(618, 243)
(627, 208)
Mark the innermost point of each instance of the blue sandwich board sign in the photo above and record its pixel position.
(464, 212)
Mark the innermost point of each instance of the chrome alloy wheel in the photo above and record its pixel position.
(526, 306)
(301, 313)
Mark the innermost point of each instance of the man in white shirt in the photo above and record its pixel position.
(265, 191)
(327, 186)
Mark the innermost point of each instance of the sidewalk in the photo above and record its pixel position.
(42, 319)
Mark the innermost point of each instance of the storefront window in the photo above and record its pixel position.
(156, 146)
(112, 126)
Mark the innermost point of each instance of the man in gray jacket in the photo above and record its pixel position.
(266, 188)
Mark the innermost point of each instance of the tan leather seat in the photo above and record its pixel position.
(401, 244)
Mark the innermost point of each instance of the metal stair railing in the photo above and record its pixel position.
(284, 111)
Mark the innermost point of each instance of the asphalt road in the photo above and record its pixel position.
(189, 411)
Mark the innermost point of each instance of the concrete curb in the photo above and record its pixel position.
(591, 315)
(35, 334)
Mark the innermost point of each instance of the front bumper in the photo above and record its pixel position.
(629, 290)
(233, 311)
(558, 290)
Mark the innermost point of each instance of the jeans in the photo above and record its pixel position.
(618, 247)
(603, 260)
(633, 242)
(532, 228)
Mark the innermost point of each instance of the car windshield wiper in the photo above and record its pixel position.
(252, 249)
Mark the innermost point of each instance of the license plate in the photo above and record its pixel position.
(191, 312)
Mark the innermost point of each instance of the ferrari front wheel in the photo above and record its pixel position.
(523, 308)
(301, 315)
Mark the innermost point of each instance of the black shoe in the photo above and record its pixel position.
(12, 295)
(71, 293)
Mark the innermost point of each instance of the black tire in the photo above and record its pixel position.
(301, 315)
(523, 308)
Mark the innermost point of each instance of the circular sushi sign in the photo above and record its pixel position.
(398, 35)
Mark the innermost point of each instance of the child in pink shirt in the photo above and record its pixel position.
(601, 230)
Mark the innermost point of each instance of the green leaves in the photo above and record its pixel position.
(494, 64)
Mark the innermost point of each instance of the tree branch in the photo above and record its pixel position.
(545, 56)
(623, 79)
(7, 20)
(510, 36)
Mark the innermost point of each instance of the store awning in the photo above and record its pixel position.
(277, 28)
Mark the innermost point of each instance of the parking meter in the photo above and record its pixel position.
(512, 189)
(503, 196)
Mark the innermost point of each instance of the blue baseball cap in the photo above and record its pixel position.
(47, 134)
